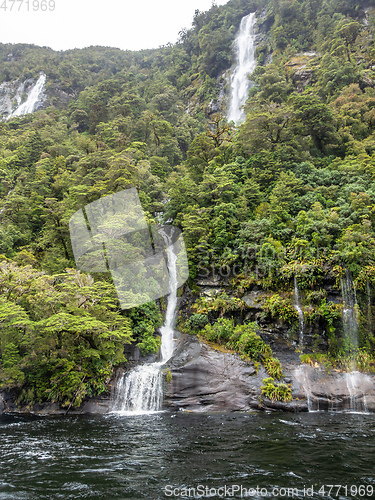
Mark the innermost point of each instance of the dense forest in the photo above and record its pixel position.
(288, 195)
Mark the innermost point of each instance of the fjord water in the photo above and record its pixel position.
(113, 457)
(246, 62)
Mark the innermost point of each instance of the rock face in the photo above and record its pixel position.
(205, 379)
(299, 67)
(335, 391)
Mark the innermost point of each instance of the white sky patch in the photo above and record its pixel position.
(126, 24)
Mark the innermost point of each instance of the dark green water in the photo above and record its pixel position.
(138, 457)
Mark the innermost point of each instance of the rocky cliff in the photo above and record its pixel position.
(207, 379)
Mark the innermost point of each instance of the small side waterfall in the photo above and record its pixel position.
(336, 392)
(357, 398)
(246, 62)
(298, 308)
(141, 390)
(369, 309)
(302, 375)
(349, 312)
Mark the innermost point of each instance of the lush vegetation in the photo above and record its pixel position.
(289, 194)
(276, 392)
(245, 340)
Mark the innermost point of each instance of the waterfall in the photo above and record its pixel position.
(349, 313)
(298, 308)
(302, 375)
(141, 390)
(357, 397)
(167, 329)
(369, 311)
(240, 84)
(34, 98)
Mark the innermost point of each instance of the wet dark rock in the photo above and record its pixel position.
(206, 379)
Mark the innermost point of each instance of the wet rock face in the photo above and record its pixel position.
(6, 403)
(334, 391)
(204, 379)
(98, 405)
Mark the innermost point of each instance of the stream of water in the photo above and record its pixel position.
(298, 308)
(141, 390)
(350, 312)
(246, 62)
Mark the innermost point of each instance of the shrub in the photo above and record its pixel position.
(273, 367)
(281, 308)
(245, 340)
(220, 331)
(253, 346)
(197, 321)
(168, 375)
(344, 360)
(279, 392)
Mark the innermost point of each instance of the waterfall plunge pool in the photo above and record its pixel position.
(136, 457)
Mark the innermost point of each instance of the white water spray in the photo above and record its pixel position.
(298, 308)
(302, 375)
(141, 390)
(33, 98)
(355, 382)
(246, 62)
(350, 312)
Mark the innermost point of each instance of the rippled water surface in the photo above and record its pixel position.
(153, 456)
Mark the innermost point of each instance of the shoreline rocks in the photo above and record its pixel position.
(205, 379)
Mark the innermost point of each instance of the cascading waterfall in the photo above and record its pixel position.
(351, 337)
(349, 312)
(303, 376)
(246, 62)
(357, 398)
(298, 308)
(33, 98)
(369, 310)
(141, 390)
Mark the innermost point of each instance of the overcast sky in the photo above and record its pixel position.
(127, 24)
